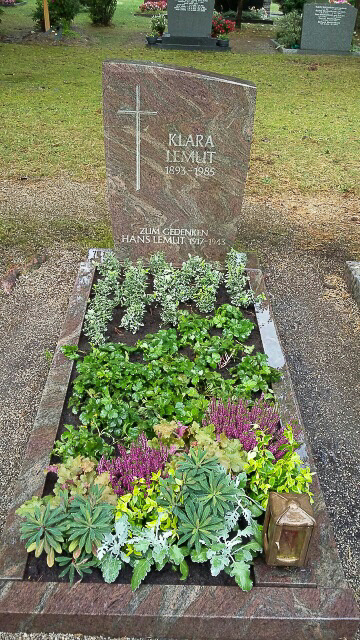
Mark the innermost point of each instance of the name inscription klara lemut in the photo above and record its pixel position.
(170, 235)
(188, 154)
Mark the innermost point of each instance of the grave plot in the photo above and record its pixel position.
(309, 602)
(177, 149)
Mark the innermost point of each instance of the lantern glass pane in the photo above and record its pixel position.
(291, 543)
(271, 529)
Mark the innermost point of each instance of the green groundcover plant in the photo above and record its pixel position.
(176, 451)
(121, 391)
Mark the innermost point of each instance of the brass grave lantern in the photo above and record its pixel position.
(288, 527)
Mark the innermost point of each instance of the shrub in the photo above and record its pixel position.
(133, 296)
(288, 30)
(287, 6)
(60, 12)
(158, 24)
(102, 11)
(221, 25)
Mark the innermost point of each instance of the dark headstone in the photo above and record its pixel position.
(189, 25)
(327, 27)
(177, 147)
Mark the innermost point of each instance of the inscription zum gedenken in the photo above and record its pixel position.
(172, 235)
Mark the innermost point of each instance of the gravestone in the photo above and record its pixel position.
(189, 25)
(177, 145)
(327, 27)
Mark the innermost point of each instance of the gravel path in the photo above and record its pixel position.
(319, 323)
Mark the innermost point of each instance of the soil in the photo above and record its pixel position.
(51, 37)
(199, 574)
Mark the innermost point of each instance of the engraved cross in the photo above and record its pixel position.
(138, 113)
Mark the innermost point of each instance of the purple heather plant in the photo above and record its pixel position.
(141, 461)
(237, 419)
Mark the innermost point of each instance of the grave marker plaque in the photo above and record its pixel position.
(189, 24)
(177, 144)
(327, 27)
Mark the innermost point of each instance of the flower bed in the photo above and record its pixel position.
(316, 598)
(153, 7)
(174, 450)
(10, 3)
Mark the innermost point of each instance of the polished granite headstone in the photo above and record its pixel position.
(177, 145)
(189, 25)
(327, 27)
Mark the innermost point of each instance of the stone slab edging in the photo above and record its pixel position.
(353, 279)
(312, 52)
(294, 604)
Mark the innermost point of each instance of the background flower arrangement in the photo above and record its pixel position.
(161, 5)
(221, 25)
(180, 440)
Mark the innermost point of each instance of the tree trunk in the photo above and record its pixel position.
(239, 13)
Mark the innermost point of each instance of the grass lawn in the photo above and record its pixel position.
(306, 135)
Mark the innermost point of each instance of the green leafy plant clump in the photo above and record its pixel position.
(121, 397)
(72, 527)
(288, 30)
(288, 474)
(101, 11)
(61, 12)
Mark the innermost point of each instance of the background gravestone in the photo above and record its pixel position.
(327, 27)
(189, 25)
(177, 145)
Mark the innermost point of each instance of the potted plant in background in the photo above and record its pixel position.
(221, 27)
(158, 25)
(222, 40)
(152, 38)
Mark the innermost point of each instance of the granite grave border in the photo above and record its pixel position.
(312, 52)
(353, 279)
(296, 604)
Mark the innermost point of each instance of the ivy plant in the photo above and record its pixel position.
(133, 295)
(237, 282)
(106, 298)
(117, 395)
